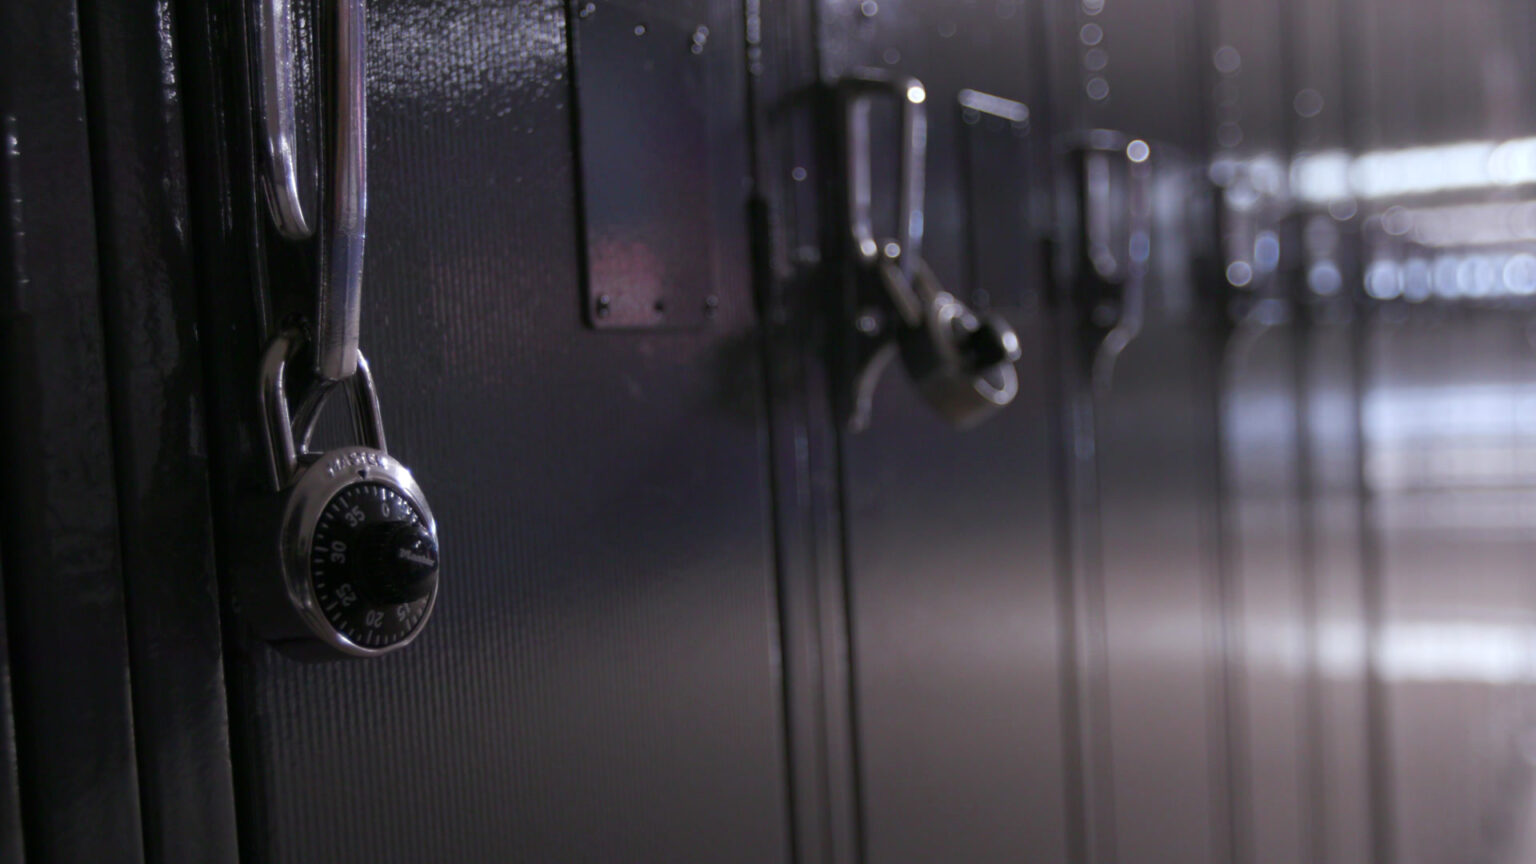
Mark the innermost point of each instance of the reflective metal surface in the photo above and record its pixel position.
(278, 63)
(344, 233)
(601, 683)
(1240, 574)
(951, 556)
(643, 78)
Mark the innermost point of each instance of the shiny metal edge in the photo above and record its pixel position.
(277, 104)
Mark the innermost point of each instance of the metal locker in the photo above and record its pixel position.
(1266, 585)
(951, 536)
(1323, 260)
(1146, 459)
(1445, 362)
(879, 431)
(598, 679)
(69, 771)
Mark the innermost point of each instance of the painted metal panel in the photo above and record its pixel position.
(1444, 379)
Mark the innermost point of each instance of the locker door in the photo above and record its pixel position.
(952, 537)
(1447, 375)
(1267, 587)
(598, 680)
(1147, 496)
(1334, 544)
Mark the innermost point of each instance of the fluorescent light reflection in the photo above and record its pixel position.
(1440, 652)
(1334, 175)
(1471, 652)
(1464, 225)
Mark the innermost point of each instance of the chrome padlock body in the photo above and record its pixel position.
(339, 528)
(963, 391)
(963, 364)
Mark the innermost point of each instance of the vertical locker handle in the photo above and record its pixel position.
(344, 231)
(859, 88)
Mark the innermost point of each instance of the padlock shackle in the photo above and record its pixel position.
(279, 421)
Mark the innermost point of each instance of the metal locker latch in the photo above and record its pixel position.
(962, 363)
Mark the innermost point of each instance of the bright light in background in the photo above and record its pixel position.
(1470, 652)
(1321, 177)
(1485, 224)
(1440, 652)
(1333, 175)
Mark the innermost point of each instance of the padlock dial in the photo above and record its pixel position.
(373, 564)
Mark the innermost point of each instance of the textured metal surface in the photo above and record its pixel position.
(1269, 649)
(597, 683)
(1155, 465)
(1336, 549)
(951, 535)
(645, 76)
(63, 582)
(1454, 648)
(1340, 640)
(154, 376)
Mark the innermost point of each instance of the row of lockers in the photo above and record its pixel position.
(1240, 573)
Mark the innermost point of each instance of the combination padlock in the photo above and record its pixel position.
(961, 362)
(348, 559)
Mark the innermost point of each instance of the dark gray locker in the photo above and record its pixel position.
(1242, 580)
(1336, 545)
(599, 681)
(72, 758)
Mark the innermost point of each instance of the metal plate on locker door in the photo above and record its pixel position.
(642, 101)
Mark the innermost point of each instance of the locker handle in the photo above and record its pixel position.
(372, 585)
(1105, 243)
(278, 118)
(859, 89)
(343, 231)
